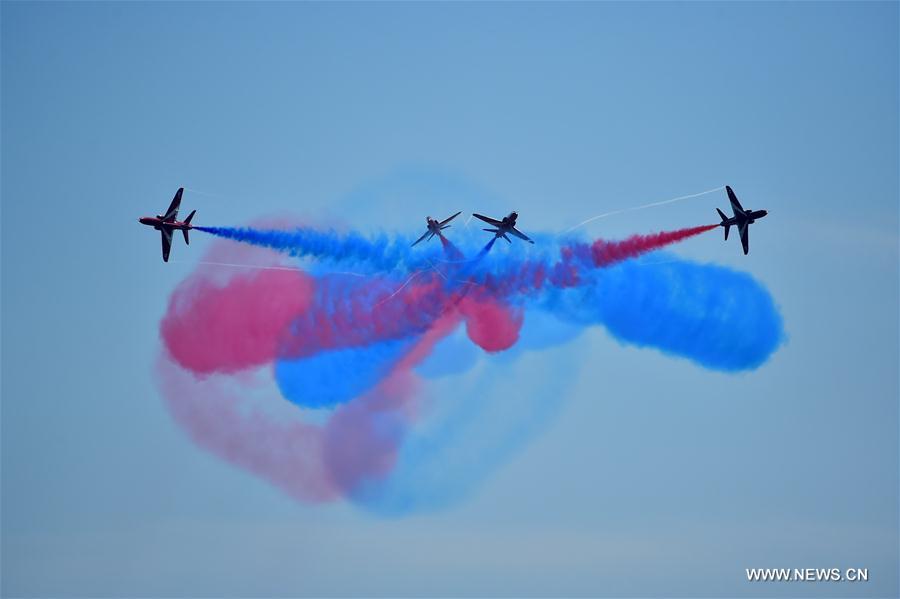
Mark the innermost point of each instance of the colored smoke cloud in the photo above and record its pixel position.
(346, 356)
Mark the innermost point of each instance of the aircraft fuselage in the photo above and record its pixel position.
(433, 225)
(749, 217)
(507, 223)
(158, 223)
(503, 226)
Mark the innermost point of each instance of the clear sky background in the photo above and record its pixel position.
(656, 477)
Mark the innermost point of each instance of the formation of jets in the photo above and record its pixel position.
(167, 223)
(742, 218)
(501, 227)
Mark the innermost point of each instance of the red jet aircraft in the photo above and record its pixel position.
(166, 223)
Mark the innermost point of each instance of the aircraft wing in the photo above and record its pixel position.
(447, 220)
(488, 219)
(744, 230)
(427, 233)
(736, 207)
(166, 235)
(172, 212)
(520, 235)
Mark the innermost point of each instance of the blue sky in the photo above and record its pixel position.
(655, 476)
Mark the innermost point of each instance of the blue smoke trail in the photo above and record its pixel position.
(714, 316)
(380, 253)
(332, 377)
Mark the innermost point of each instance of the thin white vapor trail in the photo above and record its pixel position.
(633, 208)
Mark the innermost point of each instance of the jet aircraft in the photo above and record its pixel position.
(166, 223)
(435, 227)
(742, 219)
(502, 227)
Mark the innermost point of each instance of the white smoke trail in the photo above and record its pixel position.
(258, 267)
(353, 274)
(408, 281)
(633, 208)
(204, 193)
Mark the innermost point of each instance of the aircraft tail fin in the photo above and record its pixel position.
(724, 218)
(187, 221)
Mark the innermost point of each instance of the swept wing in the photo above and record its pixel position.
(744, 230)
(736, 207)
(166, 235)
(520, 235)
(172, 212)
(488, 219)
(428, 234)
(447, 220)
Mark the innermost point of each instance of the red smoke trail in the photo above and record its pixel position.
(491, 324)
(312, 463)
(531, 276)
(212, 327)
(605, 252)
(450, 250)
(214, 412)
(373, 311)
(378, 421)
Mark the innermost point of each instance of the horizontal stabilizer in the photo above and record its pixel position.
(187, 239)
(724, 220)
